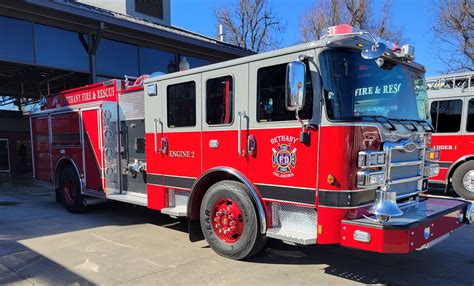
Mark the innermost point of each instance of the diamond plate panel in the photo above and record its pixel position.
(293, 223)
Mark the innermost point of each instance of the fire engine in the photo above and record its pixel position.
(321, 143)
(451, 99)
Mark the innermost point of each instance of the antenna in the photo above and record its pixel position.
(220, 33)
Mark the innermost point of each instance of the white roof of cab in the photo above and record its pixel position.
(253, 58)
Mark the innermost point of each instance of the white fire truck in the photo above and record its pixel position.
(321, 143)
(451, 99)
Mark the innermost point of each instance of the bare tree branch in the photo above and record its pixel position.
(454, 29)
(356, 13)
(251, 24)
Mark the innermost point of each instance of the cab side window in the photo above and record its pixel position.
(271, 95)
(219, 100)
(446, 115)
(181, 104)
(470, 116)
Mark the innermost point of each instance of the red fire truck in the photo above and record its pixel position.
(320, 143)
(451, 99)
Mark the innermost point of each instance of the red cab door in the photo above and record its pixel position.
(282, 167)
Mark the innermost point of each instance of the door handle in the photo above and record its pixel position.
(164, 145)
(164, 140)
(240, 151)
(252, 145)
(155, 135)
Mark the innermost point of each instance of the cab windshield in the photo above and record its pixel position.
(358, 89)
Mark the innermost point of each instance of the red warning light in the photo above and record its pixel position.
(339, 30)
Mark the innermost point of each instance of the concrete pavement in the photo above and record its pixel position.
(114, 243)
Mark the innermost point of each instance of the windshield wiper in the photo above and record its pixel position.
(381, 119)
(425, 124)
(404, 123)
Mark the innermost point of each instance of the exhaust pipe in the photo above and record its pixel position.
(89, 201)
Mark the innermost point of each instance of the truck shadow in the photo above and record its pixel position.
(30, 212)
(449, 263)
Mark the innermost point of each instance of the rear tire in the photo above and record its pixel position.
(463, 182)
(229, 221)
(70, 190)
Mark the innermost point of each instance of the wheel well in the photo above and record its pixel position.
(63, 163)
(455, 166)
(199, 190)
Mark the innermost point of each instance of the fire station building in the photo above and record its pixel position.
(49, 46)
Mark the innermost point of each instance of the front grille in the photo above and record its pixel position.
(404, 169)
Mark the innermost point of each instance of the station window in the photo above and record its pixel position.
(446, 115)
(271, 95)
(17, 43)
(60, 48)
(219, 100)
(196, 62)
(181, 104)
(153, 60)
(107, 54)
(470, 116)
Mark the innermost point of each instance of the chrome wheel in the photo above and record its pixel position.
(468, 181)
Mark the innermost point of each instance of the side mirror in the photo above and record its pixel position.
(295, 85)
(373, 51)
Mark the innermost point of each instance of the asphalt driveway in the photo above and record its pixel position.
(114, 243)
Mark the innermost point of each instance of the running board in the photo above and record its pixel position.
(131, 199)
(177, 203)
(178, 211)
(291, 235)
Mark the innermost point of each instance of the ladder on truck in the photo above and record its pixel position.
(463, 81)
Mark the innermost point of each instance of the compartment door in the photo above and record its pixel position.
(41, 144)
(153, 136)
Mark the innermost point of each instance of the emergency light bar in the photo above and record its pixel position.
(406, 52)
(340, 30)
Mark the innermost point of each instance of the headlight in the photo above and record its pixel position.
(371, 159)
(367, 179)
(417, 137)
(431, 170)
(432, 154)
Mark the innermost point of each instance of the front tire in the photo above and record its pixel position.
(463, 180)
(229, 221)
(70, 190)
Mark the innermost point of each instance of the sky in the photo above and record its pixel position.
(415, 16)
